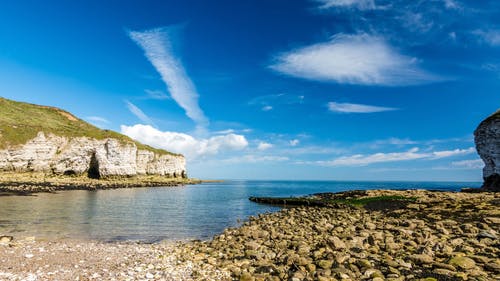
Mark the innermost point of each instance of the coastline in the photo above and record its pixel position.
(437, 236)
(27, 183)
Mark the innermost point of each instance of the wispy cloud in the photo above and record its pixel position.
(157, 46)
(412, 154)
(268, 102)
(356, 108)
(264, 145)
(156, 94)
(249, 158)
(353, 59)
(449, 153)
(490, 37)
(469, 164)
(359, 4)
(395, 141)
(98, 119)
(294, 142)
(452, 4)
(139, 113)
(185, 144)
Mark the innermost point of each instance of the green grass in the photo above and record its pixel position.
(20, 122)
(366, 200)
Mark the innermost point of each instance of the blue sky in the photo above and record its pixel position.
(325, 89)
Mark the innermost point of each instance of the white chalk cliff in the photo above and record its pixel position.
(96, 158)
(487, 139)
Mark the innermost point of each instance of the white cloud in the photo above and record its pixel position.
(255, 159)
(139, 113)
(264, 145)
(98, 119)
(157, 48)
(294, 142)
(156, 94)
(359, 4)
(185, 144)
(356, 108)
(353, 59)
(452, 4)
(412, 154)
(469, 164)
(267, 108)
(455, 152)
(491, 37)
(395, 141)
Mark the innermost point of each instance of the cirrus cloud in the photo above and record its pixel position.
(359, 4)
(157, 47)
(356, 108)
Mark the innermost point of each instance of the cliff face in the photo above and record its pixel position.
(83, 155)
(487, 139)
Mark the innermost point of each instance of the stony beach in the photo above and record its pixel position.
(27, 183)
(430, 236)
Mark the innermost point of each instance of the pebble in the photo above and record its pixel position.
(440, 235)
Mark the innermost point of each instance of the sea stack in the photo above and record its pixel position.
(487, 139)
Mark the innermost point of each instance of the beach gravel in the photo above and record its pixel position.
(437, 236)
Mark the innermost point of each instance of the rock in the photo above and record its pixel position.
(462, 262)
(444, 266)
(492, 266)
(5, 239)
(246, 277)
(421, 258)
(487, 139)
(442, 271)
(370, 226)
(337, 243)
(486, 234)
(81, 155)
(325, 264)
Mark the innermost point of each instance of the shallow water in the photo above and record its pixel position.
(162, 213)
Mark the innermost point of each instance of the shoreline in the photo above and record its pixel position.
(29, 183)
(437, 236)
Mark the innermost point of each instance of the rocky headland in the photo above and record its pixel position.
(365, 235)
(46, 148)
(487, 139)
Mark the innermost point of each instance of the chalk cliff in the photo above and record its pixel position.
(37, 138)
(487, 139)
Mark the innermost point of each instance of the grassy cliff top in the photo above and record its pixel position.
(20, 122)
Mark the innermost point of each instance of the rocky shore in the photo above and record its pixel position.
(400, 235)
(27, 183)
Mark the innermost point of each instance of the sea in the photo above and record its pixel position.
(155, 214)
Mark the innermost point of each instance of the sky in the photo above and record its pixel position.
(269, 89)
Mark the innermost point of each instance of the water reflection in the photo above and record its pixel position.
(152, 214)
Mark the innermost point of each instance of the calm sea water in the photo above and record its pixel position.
(169, 213)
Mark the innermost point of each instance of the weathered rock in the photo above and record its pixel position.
(421, 258)
(5, 239)
(462, 262)
(487, 139)
(97, 158)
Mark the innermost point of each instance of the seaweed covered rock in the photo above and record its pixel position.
(487, 139)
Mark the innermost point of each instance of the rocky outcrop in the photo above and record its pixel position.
(96, 158)
(487, 139)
